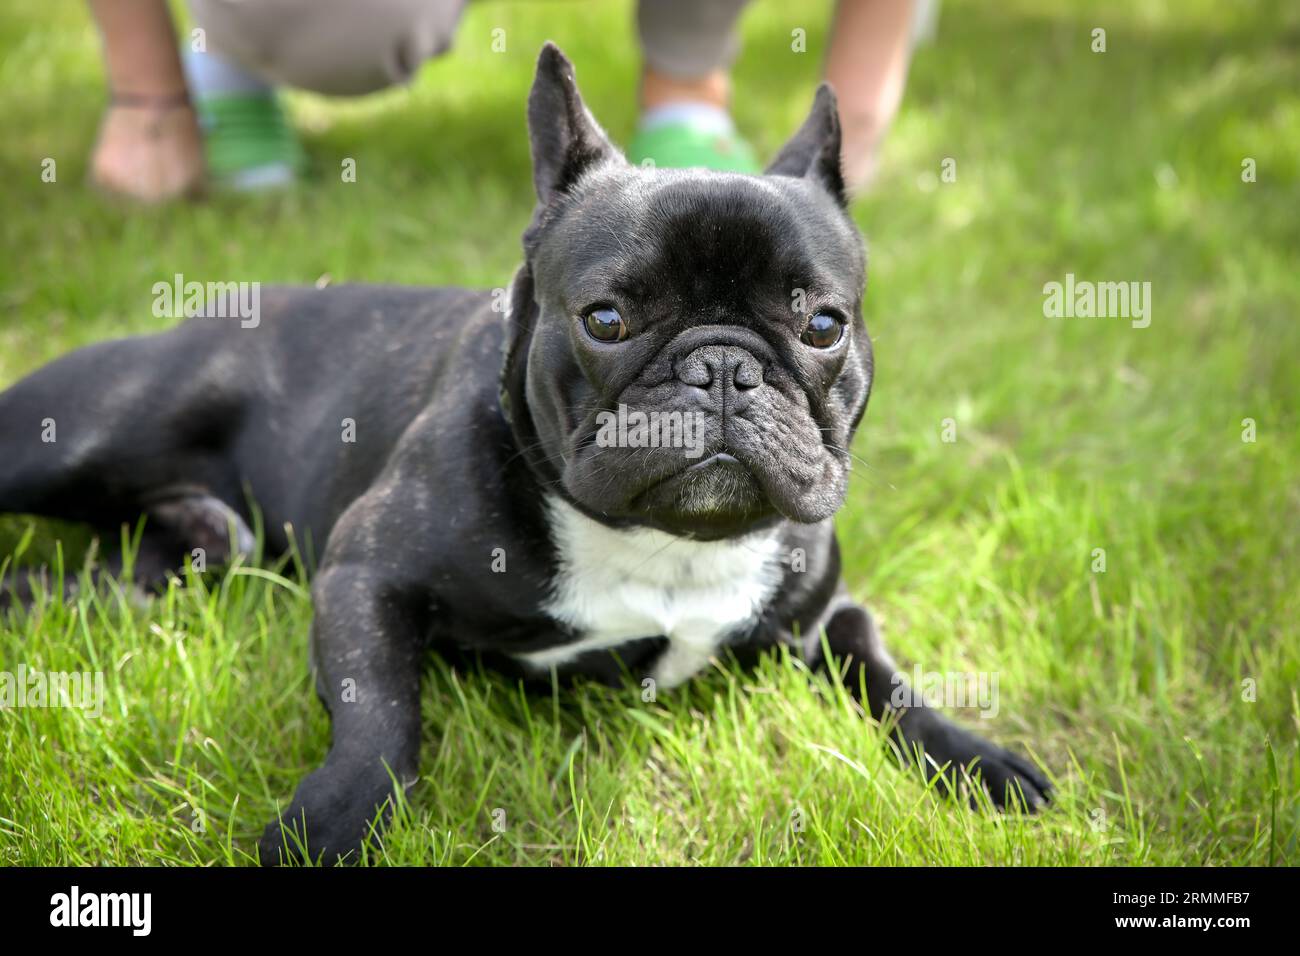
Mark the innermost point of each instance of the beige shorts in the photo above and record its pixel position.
(340, 47)
(345, 47)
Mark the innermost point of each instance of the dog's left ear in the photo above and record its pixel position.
(814, 151)
(566, 140)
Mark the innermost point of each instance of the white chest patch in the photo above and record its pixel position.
(615, 586)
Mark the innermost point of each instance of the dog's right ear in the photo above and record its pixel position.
(814, 152)
(566, 141)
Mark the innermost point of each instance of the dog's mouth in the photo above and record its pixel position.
(716, 497)
(720, 459)
(718, 478)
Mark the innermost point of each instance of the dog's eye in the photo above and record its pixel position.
(605, 325)
(823, 331)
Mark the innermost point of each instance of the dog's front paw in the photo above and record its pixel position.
(330, 816)
(1012, 782)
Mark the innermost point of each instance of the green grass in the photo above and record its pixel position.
(1072, 435)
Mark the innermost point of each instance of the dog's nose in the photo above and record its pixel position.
(728, 373)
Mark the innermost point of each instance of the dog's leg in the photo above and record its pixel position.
(95, 434)
(180, 525)
(922, 732)
(189, 521)
(120, 429)
(367, 655)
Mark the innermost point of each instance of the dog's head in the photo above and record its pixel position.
(686, 347)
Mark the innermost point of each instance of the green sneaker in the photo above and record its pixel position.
(683, 144)
(247, 141)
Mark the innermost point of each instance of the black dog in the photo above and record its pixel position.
(497, 481)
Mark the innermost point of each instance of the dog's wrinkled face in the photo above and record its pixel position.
(688, 345)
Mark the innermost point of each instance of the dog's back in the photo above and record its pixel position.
(328, 378)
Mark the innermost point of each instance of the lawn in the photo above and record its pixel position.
(1160, 692)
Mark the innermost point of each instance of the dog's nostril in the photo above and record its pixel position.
(748, 375)
(741, 373)
(697, 372)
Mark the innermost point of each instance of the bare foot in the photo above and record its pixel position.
(149, 153)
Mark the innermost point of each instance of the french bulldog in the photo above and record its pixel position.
(479, 469)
